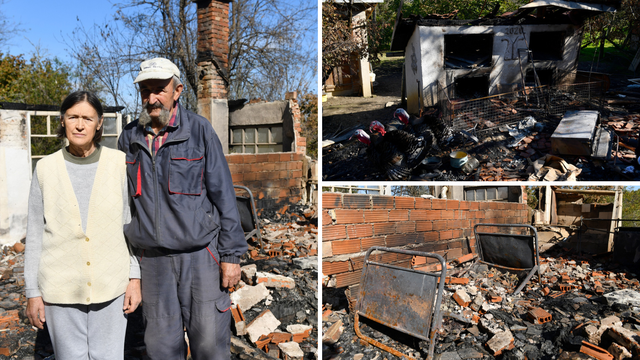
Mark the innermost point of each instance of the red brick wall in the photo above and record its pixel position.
(351, 224)
(275, 179)
(213, 35)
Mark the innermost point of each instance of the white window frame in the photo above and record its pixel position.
(255, 144)
(53, 114)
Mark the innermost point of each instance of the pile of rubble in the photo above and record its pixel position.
(580, 311)
(274, 307)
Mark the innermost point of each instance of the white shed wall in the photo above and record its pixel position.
(15, 176)
(424, 59)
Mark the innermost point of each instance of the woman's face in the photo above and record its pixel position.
(81, 122)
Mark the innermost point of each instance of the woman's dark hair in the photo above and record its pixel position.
(75, 98)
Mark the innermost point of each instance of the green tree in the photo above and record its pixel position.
(615, 28)
(458, 9)
(342, 40)
(39, 81)
(631, 205)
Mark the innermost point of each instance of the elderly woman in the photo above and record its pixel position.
(79, 272)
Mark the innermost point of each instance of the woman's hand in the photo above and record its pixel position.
(35, 312)
(132, 297)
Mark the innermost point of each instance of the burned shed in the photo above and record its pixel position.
(492, 55)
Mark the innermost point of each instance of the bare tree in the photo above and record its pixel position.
(8, 29)
(270, 49)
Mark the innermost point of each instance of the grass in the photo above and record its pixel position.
(619, 59)
(609, 49)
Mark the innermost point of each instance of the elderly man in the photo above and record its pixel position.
(185, 222)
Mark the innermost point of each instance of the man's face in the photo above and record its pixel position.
(158, 94)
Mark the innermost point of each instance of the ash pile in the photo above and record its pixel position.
(581, 310)
(275, 304)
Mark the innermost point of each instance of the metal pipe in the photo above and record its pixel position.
(356, 327)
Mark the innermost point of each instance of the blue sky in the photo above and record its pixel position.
(45, 22)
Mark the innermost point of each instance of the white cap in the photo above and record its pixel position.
(158, 68)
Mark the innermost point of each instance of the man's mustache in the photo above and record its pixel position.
(156, 105)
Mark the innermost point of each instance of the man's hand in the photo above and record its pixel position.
(132, 297)
(35, 312)
(230, 274)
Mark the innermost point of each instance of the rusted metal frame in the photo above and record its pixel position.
(534, 269)
(437, 314)
(256, 221)
(356, 326)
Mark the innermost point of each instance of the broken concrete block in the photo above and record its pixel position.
(275, 281)
(500, 342)
(263, 324)
(248, 296)
(248, 272)
(332, 335)
(307, 263)
(487, 324)
(619, 352)
(462, 298)
(610, 321)
(477, 302)
(299, 328)
(625, 296)
(291, 350)
(592, 334)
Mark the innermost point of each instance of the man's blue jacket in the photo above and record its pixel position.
(183, 197)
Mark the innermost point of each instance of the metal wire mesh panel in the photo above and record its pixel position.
(574, 96)
(492, 111)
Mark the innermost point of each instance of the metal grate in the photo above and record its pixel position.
(496, 110)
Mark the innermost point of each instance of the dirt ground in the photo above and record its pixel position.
(346, 160)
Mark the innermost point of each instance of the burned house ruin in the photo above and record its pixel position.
(467, 59)
(497, 284)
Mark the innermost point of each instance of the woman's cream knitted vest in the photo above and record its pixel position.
(79, 268)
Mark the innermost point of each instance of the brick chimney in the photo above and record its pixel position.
(212, 60)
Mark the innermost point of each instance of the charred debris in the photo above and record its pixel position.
(512, 114)
(279, 284)
(510, 139)
(586, 307)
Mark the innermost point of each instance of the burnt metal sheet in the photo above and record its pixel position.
(575, 133)
(570, 5)
(510, 251)
(404, 299)
(514, 251)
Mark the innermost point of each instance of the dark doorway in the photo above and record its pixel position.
(472, 87)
